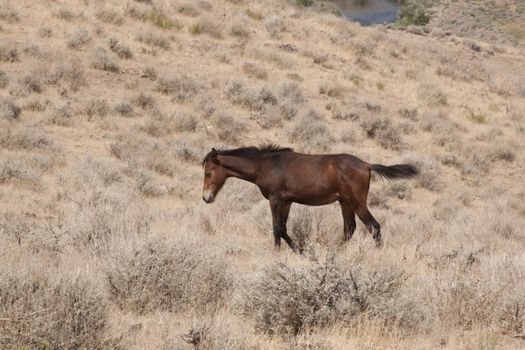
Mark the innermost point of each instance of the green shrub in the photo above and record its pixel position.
(413, 12)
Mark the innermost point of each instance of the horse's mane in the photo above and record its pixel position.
(251, 151)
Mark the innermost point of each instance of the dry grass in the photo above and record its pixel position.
(107, 109)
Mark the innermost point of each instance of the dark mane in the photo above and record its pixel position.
(251, 151)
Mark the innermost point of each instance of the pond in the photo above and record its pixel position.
(368, 12)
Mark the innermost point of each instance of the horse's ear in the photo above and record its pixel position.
(214, 158)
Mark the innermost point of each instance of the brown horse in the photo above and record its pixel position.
(285, 177)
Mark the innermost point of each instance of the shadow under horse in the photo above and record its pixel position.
(285, 177)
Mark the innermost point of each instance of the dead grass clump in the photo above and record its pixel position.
(162, 21)
(317, 56)
(333, 89)
(8, 52)
(96, 107)
(311, 131)
(102, 61)
(227, 129)
(432, 95)
(254, 70)
(290, 90)
(156, 39)
(124, 108)
(182, 88)
(44, 311)
(161, 275)
(77, 38)
(144, 100)
(299, 299)
(429, 171)
(239, 93)
(4, 79)
(274, 25)
(383, 131)
(149, 73)
(206, 26)
(121, 50)
(9, 109)
(109, 16)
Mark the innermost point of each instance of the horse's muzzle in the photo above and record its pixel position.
(208, 197)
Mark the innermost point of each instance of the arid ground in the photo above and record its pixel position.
(108, 107)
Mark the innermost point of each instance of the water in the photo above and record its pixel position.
(368, 12)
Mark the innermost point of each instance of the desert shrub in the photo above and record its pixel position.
(162, 21)
(20, 167)
(152, 38)
(27, 138)
(110, 16)
(240, 28)
(32, 82)
(78, 38)
(124, 108)
(304, 3)
(254, 70)
(182, 88)
(121, 50)
(413, 13)
(8, 52)
(290, 90)
(226, 128)
(206, 26)
(333, 89)
(65, 14)
(383, 131)
(288, 301)
(429, 171)
(70, 71)
(102, 61)
(432, 95)
(187, 9)
(239, 93)
(9, 109)
(161, 275)
(274, 25)
(311, 131)
(96, 107)
(318, 57)
(139, 153)
(4, 79)
(399, 189)
(62, 115)
(138, 11)
(41, 311)
(144, 100)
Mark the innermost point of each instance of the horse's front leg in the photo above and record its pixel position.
(280, 211)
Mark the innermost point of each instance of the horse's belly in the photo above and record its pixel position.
(316, 200)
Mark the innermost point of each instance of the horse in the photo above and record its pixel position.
(285, 177)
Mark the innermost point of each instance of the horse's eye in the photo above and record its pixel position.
(207, 174)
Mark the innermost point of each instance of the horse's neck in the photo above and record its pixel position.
(240, 167)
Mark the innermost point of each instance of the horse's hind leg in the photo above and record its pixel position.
(371, 224)
(280, 211)
(348, 221)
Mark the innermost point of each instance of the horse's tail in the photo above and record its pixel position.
(398, 171)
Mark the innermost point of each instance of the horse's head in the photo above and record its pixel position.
(214, 176)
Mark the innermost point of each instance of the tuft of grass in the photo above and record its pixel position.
(96, 107)
(162, 21)
(4, 79)
(383, 131)
(413, 12)
(274, 25)
(429, 176)
(311, 131)
(62, 115)
(124, 108)
(254, 70)
(182, 88)
(206, 26)
(187, 9)
(432, 95)
(144, 100)
(239, 93)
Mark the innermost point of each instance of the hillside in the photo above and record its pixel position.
(107, 109)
